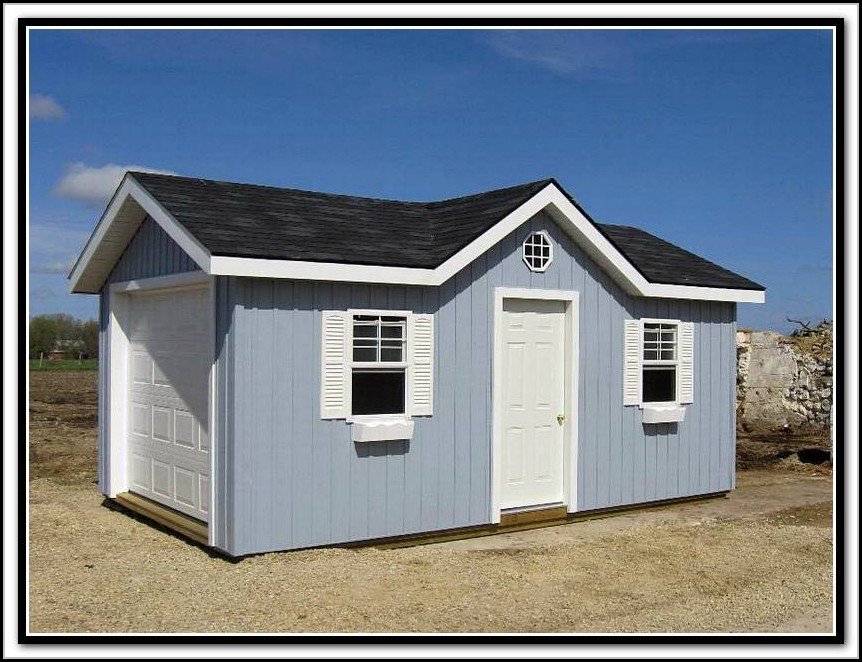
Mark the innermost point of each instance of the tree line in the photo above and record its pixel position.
(62, 332)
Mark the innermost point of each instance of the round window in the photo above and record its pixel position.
(538, 251)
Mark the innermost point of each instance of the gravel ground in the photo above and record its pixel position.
(757, 561)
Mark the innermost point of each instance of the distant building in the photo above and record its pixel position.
(66, 349)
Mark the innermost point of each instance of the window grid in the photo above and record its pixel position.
(659, 343)
(379, 339)
(537, 251)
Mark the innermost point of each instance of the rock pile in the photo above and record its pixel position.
(784, 380)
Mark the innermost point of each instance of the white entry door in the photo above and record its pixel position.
(533, 388)
(170, 354)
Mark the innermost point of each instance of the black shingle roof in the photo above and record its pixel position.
(660, 261)
(246, 220)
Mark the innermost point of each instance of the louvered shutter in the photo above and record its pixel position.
(421, 348)
(333, 379)
(686, 362)
(632, 363)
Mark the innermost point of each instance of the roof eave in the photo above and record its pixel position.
(129, 206)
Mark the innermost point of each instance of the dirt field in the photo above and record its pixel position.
(759, 560)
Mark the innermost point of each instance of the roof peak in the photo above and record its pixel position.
(538, 184)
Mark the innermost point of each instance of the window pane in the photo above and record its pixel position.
(365, 342)
(403, 320)
(659, 385)
(650, 355)
(667, 336)
(366, 318)
(650, 336)
(364, 330)
(378, 392)
(365, 353)
(392, 331)
(391, 354)
(667, 355)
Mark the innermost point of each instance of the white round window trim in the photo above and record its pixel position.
(537, 251)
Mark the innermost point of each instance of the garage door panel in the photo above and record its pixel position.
(186, 486)
(170, 355)
(184, 429)
(141, 472)
(162, 424)
(204, 492)
(162, 478)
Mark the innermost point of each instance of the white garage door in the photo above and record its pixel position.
(170, 353)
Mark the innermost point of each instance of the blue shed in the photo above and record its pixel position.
(285, 369)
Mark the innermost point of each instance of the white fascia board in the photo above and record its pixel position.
(98, 234)
(494, 235)
(177, 232)
(129, 188)
(185, 279)
(221, 265)
(662, 291)
(588, 237)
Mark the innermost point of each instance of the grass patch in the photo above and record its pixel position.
(64, 365)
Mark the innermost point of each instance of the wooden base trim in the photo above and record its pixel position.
(176, 521)
(522, 522)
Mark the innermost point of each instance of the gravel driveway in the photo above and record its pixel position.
(759, 560)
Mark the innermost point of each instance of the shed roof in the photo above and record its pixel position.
(248, 229)
(247, 220)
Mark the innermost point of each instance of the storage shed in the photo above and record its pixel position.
(284, 369)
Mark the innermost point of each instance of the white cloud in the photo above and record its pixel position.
(565, 52)
(43, 107)
(95, 186)
(599, 53)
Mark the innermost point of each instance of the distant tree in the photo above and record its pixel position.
(90, 338)
(68, 327)
(43, 335)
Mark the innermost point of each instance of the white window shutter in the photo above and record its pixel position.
(686, 362)
(632, 363)
(422, 365)
(333, 378)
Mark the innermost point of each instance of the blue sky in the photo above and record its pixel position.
(717, 140)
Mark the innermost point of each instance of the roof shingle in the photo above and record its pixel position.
(252, 221)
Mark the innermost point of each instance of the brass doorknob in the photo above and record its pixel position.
(561, 418)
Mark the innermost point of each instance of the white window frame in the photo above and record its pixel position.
(671, 411)
(337, 367)
(647, 364)
(385, 366)
(547, 264)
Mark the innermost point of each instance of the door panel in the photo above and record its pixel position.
(534, 394)
(170, 359)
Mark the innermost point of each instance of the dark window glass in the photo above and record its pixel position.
(378, 392)
(659, 384)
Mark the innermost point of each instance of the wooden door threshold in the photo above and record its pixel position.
(533, 515)
(176, 521)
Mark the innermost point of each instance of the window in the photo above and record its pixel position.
(378, 381)
(659, 362)
(377, 365)
(658, 367)
(537, 251)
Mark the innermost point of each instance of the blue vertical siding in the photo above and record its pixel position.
(293, 480)
(151, 252)
(104, 409)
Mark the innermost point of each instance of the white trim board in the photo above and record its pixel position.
(127, 209)
(572, 358)
(131, 201)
